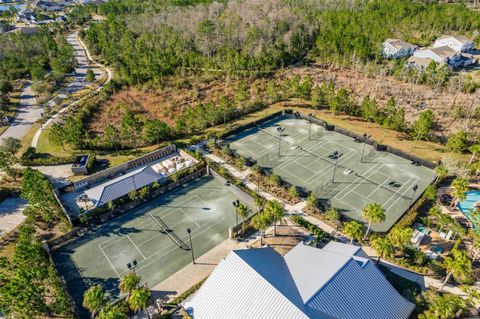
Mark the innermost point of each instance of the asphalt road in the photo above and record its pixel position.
(28, 114)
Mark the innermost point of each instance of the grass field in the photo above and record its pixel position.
(340, 171)
(101, 256)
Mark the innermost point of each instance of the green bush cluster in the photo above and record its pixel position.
(319, 234)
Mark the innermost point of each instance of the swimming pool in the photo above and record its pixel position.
(467, 205)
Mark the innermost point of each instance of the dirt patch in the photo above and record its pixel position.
(287, 237)
(414, 98)
(168, 102)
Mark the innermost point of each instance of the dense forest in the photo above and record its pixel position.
(34, 55)
(150, 39)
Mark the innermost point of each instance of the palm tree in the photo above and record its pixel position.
(312, 200)
(139, 299)
(383, 246)
(243, 211)
(441, 171)
(474, 149)
(460, 187)
(129, 282)
(94, 299)
(373, 214)
(353, 230)
(260, 222)
(275, 210)
(400, 236)
(113, 312)
(259, 201)
(475, 243)
(458, 265)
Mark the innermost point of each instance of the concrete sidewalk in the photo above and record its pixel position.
(192, 274)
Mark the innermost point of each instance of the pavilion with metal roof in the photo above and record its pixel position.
(337, 281)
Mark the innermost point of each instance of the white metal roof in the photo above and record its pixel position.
(238, 290)
(306, 283)
(122, 185)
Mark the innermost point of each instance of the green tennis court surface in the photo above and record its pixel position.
(343, 173)
(101, 257)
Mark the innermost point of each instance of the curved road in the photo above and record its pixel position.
(84, 61)
(29, 112)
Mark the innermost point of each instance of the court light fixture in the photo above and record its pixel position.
(189, 231)
(131, 265)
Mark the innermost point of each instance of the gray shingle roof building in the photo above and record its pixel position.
(334, 282)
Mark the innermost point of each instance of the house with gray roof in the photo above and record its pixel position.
(395, 48)
(444, 55)
(338, 281)
(458, 43)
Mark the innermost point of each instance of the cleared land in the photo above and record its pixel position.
(101, 256)
(342, 173)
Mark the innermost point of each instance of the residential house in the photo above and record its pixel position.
(444, 55)
(48, 6)
(338, 281)
(394, 48)
(25, 30)
(458, 43)
(27, 16)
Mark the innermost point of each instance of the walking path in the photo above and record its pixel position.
(84, 61)
(28, 113)
(192, 274)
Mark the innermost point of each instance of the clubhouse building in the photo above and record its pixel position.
(338, 281)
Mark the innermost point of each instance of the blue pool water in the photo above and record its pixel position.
(6, 6)
(467, 205)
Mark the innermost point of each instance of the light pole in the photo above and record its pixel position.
(132, 265)
(235, 204)
(334, 170)
(189, 231)
(365, 137)
(279, 130)
(310, 115)
(415, 187)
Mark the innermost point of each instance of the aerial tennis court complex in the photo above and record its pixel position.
(341, 171)
(155, 235)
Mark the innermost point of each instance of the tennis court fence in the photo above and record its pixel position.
(244, 197)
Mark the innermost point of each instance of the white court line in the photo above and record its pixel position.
(152, 259)
(395, 193)
(347, 156)
(189, 217)
(170, 211)
(378, 186)
(408, 189)
(136, 247)
(358, 178)
(78, 268)
(160, 234)
(113, 241)
(355, 209)
(101, 249)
